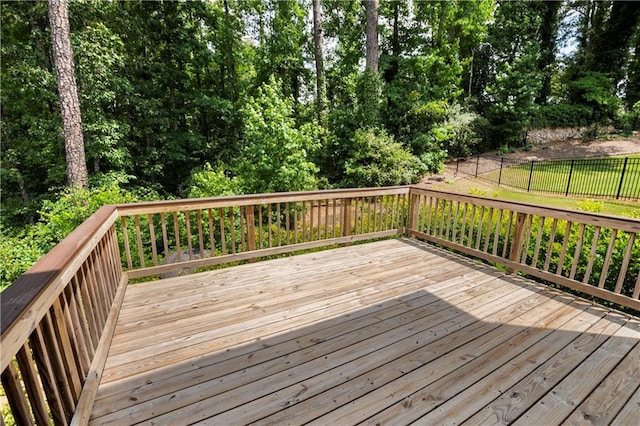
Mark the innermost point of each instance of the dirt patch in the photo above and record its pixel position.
(573, 148)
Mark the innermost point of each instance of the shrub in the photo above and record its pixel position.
(378, 160)
(207, 182)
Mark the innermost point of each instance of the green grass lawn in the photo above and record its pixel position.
(491, 190)
(589, 177)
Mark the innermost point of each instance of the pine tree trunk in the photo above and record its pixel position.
(68, 93)
(321, 87)
(372, 35)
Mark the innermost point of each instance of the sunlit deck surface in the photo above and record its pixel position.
(391, 332)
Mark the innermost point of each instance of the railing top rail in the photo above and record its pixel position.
(598, 219)
(23, 303)
(252, 199)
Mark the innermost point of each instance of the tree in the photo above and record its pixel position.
(321, 86)
(372, 35)
(68, 92)
(548, 34)
(276, 155)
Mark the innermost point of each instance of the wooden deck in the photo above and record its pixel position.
(392, 332)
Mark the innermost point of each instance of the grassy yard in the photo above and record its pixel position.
(491, 190)
(593, 177)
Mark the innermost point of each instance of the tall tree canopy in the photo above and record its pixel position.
(165, 88)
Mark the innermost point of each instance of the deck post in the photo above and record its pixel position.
(251, 229)
(413, 213)
(516, 242)
(346, 217)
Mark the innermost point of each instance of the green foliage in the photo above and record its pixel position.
(17, 254)
(562, 115)
(58, 218)
(276, 155)
(210, 182)
(377, 160)
(596, 91)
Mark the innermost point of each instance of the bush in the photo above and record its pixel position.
(207, 182)
(59, 218)
(378, 160)
(17, 254)
(562, 115)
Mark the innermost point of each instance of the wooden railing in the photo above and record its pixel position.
(595, 254)
(57, 321)
(58, 318)
(168, 237)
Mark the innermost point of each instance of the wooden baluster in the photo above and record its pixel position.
(536, 250)
(527, 238)
(552, 238)
(187, 221)
(464, 223)
(76, 321)
(269, 226)
(480, 228)
(592, 255)
(251, 227)
(15, 395)
(66, 350)
(516, 246)
(84, 316)
(32, 385)
(577, 252)
(487, 233)
(88, 308)
(278, 223)
(176, 232)
(295, 223)
(636, 289)
(507, 235)
(447, 232)
(243, 241)
(165, 238)
(456, 215)
(287, 224)
(223, 238)
(333, 216)
(442, 215)
(563, 249)
(232, 230)
(325, 204)
(57, 366)
(212, 238)
(200, 233)
(496, 235)
(125, 239)
(43, 359)
(152, 234)
(346, 217)
(362, 217)
(260, 207)
(607, 259)
(136, 220)
(472, 221)
(625, 263)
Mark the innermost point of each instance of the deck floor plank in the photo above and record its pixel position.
(395, 331)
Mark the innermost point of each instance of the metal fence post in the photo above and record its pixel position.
(530, 176)
(624, 168)
(477, 164)
(500, 174)
(569, 179)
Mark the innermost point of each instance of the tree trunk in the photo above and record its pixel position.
(548, 33)
(68, 93)
(372, 35)
(321, 86)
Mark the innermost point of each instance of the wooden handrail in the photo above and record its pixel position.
(552, 244)
(58, 318)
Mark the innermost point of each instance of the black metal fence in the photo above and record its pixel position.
(617, 178)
